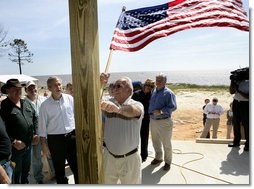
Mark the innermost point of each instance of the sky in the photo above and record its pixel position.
(44, 26)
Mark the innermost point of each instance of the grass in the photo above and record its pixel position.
(177, 87)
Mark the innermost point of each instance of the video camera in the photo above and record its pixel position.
(240, 74)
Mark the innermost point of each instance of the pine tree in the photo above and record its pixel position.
(20, 53)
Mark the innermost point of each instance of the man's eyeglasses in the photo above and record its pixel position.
(118, 86)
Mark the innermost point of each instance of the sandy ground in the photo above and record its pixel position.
(188, 118)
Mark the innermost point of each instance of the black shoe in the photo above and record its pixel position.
(40, 182)
(166, 167)
(233, 145)
(155, 161)
(143, 160)
(246, 149)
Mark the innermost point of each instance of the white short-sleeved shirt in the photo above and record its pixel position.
(56, 116)
(213, 108)
(122, 134)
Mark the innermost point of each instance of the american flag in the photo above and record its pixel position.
(137, 28)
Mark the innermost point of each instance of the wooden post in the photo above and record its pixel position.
(85, 76)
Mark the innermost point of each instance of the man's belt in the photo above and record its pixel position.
(160, 118)
(125, 155)
(72, 133)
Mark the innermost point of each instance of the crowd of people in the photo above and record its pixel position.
(43, 126)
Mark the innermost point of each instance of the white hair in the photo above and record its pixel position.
(164, 76)
(129, 83)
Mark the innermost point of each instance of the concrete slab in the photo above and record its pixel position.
(196, 163)
(200, 163)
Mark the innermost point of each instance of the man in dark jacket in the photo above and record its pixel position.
(239, 86)
(5, 154)
(21, 122)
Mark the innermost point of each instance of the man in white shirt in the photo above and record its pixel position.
(123, 117)
(213, 111)
(56, 122)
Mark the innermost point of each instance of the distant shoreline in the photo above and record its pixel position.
(182, 86)
(206, 78)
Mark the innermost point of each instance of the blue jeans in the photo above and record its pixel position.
(22, 158)
(9, 170)
(37, 163)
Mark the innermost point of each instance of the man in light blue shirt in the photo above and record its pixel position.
(162, 104)
(56, 122)
(36, 100)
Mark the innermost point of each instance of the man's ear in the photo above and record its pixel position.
(7, 90)
(129, 90)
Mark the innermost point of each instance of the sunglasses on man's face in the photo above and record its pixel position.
(118, 86)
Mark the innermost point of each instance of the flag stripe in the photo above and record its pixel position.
(177, 20)
(200, 10)
(181, 15)
(141, 44)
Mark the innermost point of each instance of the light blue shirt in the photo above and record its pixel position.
(164, 100)
(37, 105)
(56, 116)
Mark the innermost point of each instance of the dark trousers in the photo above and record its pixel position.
(22, 158)
(241, 117)
(208, 134)
(63, 147)
(144, 135)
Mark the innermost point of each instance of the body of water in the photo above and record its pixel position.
(199, 77)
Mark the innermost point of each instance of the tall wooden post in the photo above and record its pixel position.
(85, 76)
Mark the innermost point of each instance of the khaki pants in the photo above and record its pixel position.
(208, 124)
(229, 130)
(161, 131)
(125, 170)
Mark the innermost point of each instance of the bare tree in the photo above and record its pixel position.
(20, 53)
(3, 44)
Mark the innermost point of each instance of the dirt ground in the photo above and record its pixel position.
(188, 118)
(188, 125)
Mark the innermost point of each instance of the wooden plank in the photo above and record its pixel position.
(85, 77)
(217, 141)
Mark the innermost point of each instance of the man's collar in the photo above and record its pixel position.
(160, 89)
(124, 103)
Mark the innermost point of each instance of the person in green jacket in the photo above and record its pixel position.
(21, 122)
